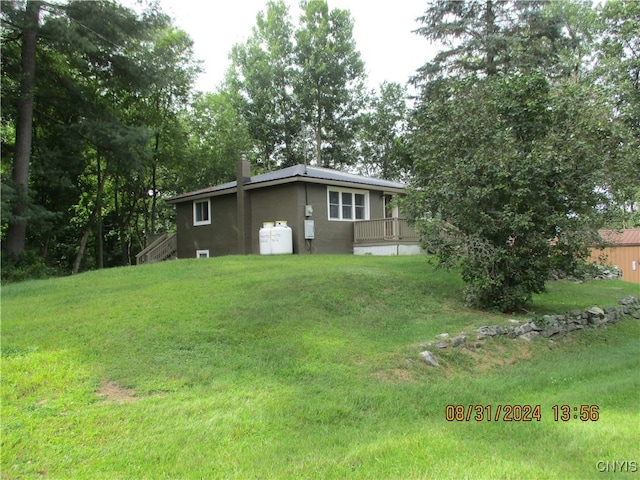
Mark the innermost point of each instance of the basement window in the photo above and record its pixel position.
(202, 212)
(202, 253)
(349, 205)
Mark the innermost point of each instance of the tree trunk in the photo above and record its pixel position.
(87, 230)
(318, 146)
(98, 216)
(154, 181)
(17, 228)
(490, 19)
(125, 215)
(124, 259)
(81, 249)
(318, 133)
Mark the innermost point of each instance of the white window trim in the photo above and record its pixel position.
(205, 253)
(203, 222)
(352, 191)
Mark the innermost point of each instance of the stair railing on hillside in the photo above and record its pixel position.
(163, 248)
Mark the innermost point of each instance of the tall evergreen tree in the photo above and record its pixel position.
(27, 25)
(486, 37)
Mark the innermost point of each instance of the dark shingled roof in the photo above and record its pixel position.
(302, 173)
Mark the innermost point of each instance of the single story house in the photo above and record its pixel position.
(328, 212)
(624, 252)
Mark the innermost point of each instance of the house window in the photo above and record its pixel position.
(202, 253)
(348, 204)
(202, 212)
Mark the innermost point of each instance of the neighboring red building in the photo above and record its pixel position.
(623, 252)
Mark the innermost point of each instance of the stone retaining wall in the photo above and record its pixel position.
(545, 327)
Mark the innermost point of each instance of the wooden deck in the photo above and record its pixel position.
(385, 236)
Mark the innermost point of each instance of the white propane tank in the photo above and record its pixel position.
(265, 238)
(281, 239)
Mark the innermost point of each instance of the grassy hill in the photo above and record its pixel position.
(300, 367)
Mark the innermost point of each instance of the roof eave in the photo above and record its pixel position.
(201, 194)
(323, 181)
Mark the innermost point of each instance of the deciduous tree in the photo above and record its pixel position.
(261, 78)
(300, 89)
(330, 84)
(618, 68)
(218, 136)
(382, 133)
(508, 180)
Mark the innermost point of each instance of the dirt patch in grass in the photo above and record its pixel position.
(485, 359)
(394, 375)
(491, 356)
(112, 392)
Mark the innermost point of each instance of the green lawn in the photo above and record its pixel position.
(301, 367)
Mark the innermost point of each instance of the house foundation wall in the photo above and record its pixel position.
(387, 250)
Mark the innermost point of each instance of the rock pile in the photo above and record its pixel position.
(545, 326)
(607, 273)
(591, 271)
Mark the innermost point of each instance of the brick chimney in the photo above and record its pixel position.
(243, 176)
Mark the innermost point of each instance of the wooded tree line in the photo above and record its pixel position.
(106, 91)
(101, 122)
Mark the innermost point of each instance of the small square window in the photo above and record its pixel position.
(202, 212)
(202, 253)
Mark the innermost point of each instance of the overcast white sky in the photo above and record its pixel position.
(382, 30)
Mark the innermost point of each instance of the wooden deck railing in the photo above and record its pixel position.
(383, 230)
(166, 246)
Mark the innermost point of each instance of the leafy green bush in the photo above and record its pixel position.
(28, 267)
(507, 177)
